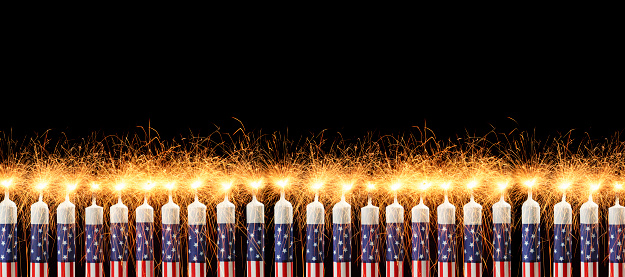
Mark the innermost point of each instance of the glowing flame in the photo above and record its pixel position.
(594, 187)
(395, 186)
(618, 186)
(226, 185)
(196, 184)
(502, 185)
(95, 186)
(445, 185)
(317, 186)
(149, 186)
(169, 186)
(472, 184)
(7, 183)
(347, 187)
(565, 185)
(370, 186)
(282, 183)
(71, 187)
(256, 184)
(530, 183)
(425, 185)
(41, 186)
(119, 186)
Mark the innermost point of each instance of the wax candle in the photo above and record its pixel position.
(119, 239)
(170, 240)
(370, 233)
(8, 234)
(196, 212)
(283, 234)
(39, 246)
(255, 216)
(562, 246)
(446, 213)
(395, 239)
(341, 238)
(420, 240)
(94, 219)
(589, 238)
(530, 219)
(65, 235)
(472, 238)
(225, 238)
(145, 239)
(502, 238)
(616, 226)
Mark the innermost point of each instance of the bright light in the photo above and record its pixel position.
(594, 187)
(282, 183)
(149, 185)
(502, 185)
(618, 186)
(370, 186)
(317, 186)
(530, 183)
(119, 186)
(169, 186)
(226, 185)
(196, 184)
(95, 186)
(256, 184)
(565, 186)
(446, 185)
(424, 185)
(7, 183)
(472, 184)
(41, 186)
(347, 187)
(395, 186)
(71, 187)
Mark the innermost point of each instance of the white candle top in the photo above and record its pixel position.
(283, 212)
(342, 212)
(315, 213)
(170, 213)
(225, 212)
(446, 212)
(616, 214)
(420, 213)
(530, 212)
(370, 215)
(255, 211)
(8, 211)
(66, 212)
(562, 213)
(145, 212)
(501, 212)
(196, 212)
(589, 213)
(472, 213)
(39, 213)
(94, 214)
(394, 213)
(119, 212)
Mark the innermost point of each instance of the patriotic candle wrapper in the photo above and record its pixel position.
(119, 240)
(446, 213)
(225, 239)
(170, 239)
(8, 237)
(65, 235)
(616, 226)
(472, 239)
(94, 219)
(370, 233)
(589, 239)
(145, 240)
(420, 240)
(39, 246)
(395, 240)
(342, 239)
(255, 214)
(562, 244)
(196, 254)
(502, 239)
(530, 219)
(315, 224)
(283, 234)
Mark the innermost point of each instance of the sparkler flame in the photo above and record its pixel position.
(7, 183)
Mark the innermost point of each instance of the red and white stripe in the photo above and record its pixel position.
(39, 269)
(341, 269)
(284, 269)
(447, 269)
(472, 269)
(394, 269)
(370, 269)
(65, 269)
(119, 269)
(562, 270)
(255, 269)
(197, 269)
(145, 268)
(94, 270)
(171, 269)
(531, 269)
(225, 269)
(502, 269)
(8, 269)
(589, 269)
(617, 269)
(420, 268)
(314, 270)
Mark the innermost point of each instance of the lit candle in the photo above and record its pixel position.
(255, 215)
(589, 236)
(65, 232)
(170, 243)
(370, 232)
(395, 236)
(94, 219)
(283, 234)
(420, 237)
(562, 247)
(616, 226)
(472, 236)
(225, 236)
(8, 222)
(530, 219)
(39, 226)
(145, 241)
(196, 212)
(315, 222)
(119, 236)
(341, 236)
(446, 214)
(502, 238)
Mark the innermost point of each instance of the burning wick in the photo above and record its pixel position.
(445, 186)
(370, 187)
(226, 186)
(316, 187)
(70, 188)
(6, 184)
(119, 188)
(530, 184)
(346, 188)
(394, 188)
(502, 187)
(472, 185)
(563, 187)
(593, 188)
(194, 186)
(40, 188)
(255, 185)
(282, 184)
(94, 188)
(618, 188)
(170, 188)
(424, 186)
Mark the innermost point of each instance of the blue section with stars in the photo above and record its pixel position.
(341, 242)
(314, 243)
(256, 241)
(39, 245)
(472, 243)
(197, 243)
(531, 243)
(370, 243)
(420, 241)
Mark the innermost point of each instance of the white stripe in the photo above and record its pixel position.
(614, 267)
(149, 269)
(171, 268)
(396, 267)
(342, 267)
(313, 269)
(280, 271)
(371, 269)
(424, 268)
(91, 268)
(37, 273)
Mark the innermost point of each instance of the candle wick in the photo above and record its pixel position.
(6, 193)
(317, 197)
(396, 197)
(40, 196)
(343, 197)
(421, 200)
(282, 193)
(93, 200)
(564, 196)
(196, 199)
(590, 197)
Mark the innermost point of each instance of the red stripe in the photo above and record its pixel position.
(202, 265)
(119, 268)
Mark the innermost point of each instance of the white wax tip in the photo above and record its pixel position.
(119, 213)
(94, 215)
(170, 213)
(66, 212)
(370, 215)
(8, 211)
(394, 213)
(145, 213)
(589, 213)
(530, 212)
(315, 213)
(255, 211)
(446, 213)
(39, 213)
(472, 213)
(501, 212)
(342, 212)
(225, 212)
(616, 215)
(420, 213)
(283, 212)
(196, 212)
(562, 213)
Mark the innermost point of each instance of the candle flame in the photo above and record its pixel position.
(317, 186)
(149, 186)
(282, 183)
(226, 185)
(425, 185)
(594, 187)
(618, 186)
(169, 186)
(565, 185)
(530, 183)
(41, 186)
(347, 187)
(119, 186)
(7, 183)
(256, 184)
(196, 184)
(395, 186)
(370, 186)
(445, 185)
(502, 185)
(95, 186)
(472, 184)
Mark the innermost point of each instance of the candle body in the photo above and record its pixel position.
(39, 245)
(502, 239)
(283, 234)
(472, 239)
(315, 226)
(8, 234)
(420, 240)
(255, 212)
(66, 233)
(370, 233)
(94, 220)
(196, 254)
(562, 247)
(616, 228)
(530, 219)
(341, 238)
(446, 213)
(395, 240)
(119, 240)
(589, 238)
(226, 226)
(145, 240)
(170, 240)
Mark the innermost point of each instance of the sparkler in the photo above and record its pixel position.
(226, 225)
(170, 242)
(530, 219)
(472, 236)
(255, 235)
(8, 235)
(589, 236)
(420, 236)
(144, 215)
(196, 256)
(616, 226)
(342, 235)
(39, 226)
(119, 236)
(315, 224)
(66, 233)
(283, 234)
(94, 220)
(563, 246)
(446, 214)
(502, 239)
(370, 234)
(395, 237)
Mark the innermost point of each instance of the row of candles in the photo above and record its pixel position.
(341, 238)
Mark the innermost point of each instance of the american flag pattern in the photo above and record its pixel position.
(370, 234)
(589, 247)
(420, 249)
(226, 247)
(255, 249)
(502, 250)
(473, 250)
(66, 250)
(170, 250)
(394, 249)
(446, 250)
(119, 250)
(562, 250)
(8, 250)
(341, 249)
(531, 250)
(39, 250)
(283, 234)
(314, 250)
(145, 249)
(94, 250)
(617, 251)
(196, 253)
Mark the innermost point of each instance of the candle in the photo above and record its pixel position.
(420, 238)
(94, 219)
(170, 241)
(196, 212)
(446, 213)
(39, 226)
(341, 236)
(119, 237)
(616, 226)
(589, 236)
(255, 216)
(530, 219)
(370, 233)
(395, 237)
(145, 231)
(8, 228)
(65, 232)
(562, 247)
(472, 236)
(283, 234)
(502, 238)
(225, 237)
(315, 222)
